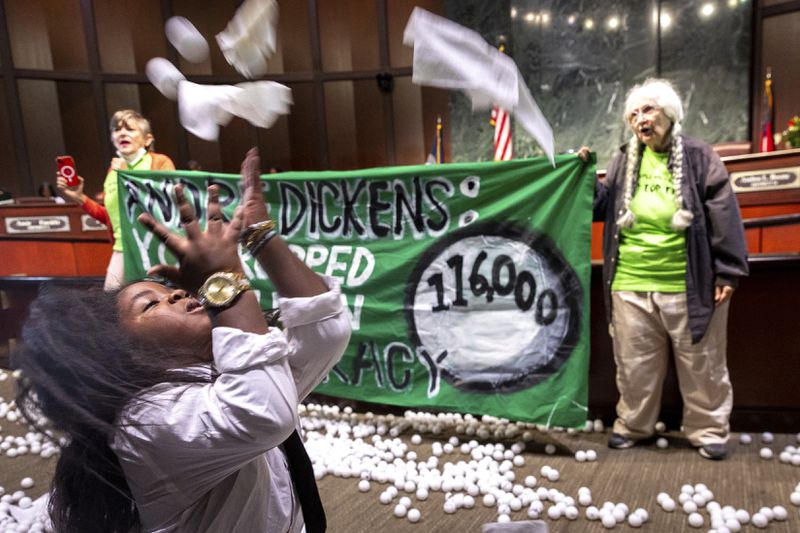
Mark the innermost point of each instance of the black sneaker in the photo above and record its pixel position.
(715, 452)
(618, 442)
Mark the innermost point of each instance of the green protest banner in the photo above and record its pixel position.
(467, 284)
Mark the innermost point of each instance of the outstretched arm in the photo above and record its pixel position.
(291, 277)
(311, 307)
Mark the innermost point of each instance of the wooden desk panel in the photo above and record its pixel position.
(91, 258)
(40, 258)
(81, 250)
(73, 214)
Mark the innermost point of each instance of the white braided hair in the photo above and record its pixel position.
(664, 96)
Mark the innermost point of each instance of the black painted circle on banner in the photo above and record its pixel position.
(495, 306)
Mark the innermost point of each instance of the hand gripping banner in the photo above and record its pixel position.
(467, 284)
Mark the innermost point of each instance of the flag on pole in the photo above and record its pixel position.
(501, 121)
(502, 134)
(435, 155)
(767, 143)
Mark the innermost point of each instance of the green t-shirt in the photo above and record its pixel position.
(652, 255)
(111, 197)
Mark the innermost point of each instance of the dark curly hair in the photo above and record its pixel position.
(79, 369)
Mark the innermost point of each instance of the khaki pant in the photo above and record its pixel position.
(644, 326)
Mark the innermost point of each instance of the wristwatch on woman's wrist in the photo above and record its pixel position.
(221, 289)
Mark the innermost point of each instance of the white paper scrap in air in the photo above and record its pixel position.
(249, 40)
(186, 39)
(164, 76)
(260, 102)
(204, 108)
(450, 56)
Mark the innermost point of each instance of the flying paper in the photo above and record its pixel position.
(248, 42)
(450, 56)
(204, 108)
(249, 39)
(186, 39)
(259, 102)
(164, 76)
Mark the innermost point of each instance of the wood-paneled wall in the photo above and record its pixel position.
(67, 65)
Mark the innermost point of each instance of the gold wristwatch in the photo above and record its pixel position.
(221, 289)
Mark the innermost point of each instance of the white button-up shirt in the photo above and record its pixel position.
(204, 457)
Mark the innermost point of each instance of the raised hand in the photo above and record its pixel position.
(255, 209)
(200, 253)
(74, 193)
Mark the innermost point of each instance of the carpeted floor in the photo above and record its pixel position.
(633, 477)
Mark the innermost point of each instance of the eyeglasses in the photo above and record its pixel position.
(647, 111)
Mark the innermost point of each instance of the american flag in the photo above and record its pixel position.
(435, 155)
(501, 121)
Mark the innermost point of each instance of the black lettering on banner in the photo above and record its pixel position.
(323, 220)
(162, 198)
(457, 263)
(552, 305)
(315, 208)
(437, 282)
(401, 352)
(350, 214)
(481, 286)
(430, 188)
(336, 371)
(388, 206)
(376, 207)
(401, 203)
(366, 358)
(525, 302)
(288, 224)
(478, 283)
(500, 262)
(433, 371)
(132, 198)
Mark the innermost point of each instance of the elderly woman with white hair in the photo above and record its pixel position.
(674, 249)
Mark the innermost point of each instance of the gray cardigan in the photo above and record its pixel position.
(716, 251)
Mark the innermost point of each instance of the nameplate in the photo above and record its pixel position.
(89, 223)
(39, 224)
(766, 180)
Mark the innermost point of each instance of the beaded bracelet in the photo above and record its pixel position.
(259, 244)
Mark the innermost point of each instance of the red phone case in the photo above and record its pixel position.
(66, 167)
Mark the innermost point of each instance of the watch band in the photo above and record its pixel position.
(221, 289)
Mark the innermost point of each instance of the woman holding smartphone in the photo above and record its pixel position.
(132, 136)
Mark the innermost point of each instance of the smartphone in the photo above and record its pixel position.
(66, 167)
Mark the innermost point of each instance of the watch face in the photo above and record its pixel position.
(222, 288)
(220, 291)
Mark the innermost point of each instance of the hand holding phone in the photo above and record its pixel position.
(66, 169)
